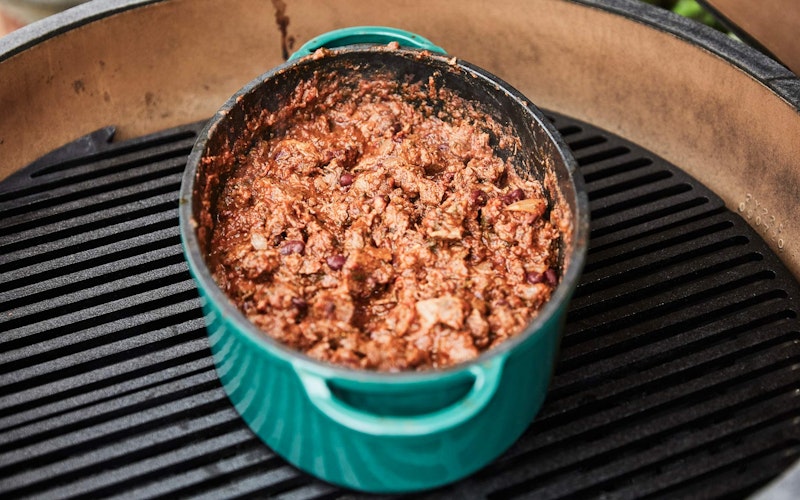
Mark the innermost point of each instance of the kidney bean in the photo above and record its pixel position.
(534, 277)
(292, 246)
(300, 303)
(336, 262)
(548, 276)
(513, 196)
(478, 197)
(346, 179)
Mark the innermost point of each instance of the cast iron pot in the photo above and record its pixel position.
(384, 432)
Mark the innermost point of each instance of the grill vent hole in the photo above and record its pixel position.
(602, 155)
(134, 147)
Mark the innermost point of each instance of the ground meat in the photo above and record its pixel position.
(371, 228)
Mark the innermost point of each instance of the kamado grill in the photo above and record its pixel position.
(678, 368)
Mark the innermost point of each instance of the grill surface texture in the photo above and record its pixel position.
(678, 371)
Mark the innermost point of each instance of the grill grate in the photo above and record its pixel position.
(678, 371)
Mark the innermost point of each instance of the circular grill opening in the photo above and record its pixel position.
(677, 372)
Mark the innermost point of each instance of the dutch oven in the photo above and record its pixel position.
(385, 432)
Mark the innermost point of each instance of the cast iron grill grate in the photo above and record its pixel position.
(678, 372)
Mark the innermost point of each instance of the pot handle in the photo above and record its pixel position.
(366, 34)
(487, 378)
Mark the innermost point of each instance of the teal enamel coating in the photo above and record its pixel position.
(370, 431)
(356, 35)
(301, 421)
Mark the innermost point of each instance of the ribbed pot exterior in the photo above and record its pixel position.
(268, 393)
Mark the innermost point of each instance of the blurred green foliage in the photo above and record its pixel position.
(690, 9)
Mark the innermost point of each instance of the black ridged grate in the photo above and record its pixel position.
(678, 374)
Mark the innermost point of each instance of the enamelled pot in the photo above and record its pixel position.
(386, 432)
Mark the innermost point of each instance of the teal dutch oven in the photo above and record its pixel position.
(371, 431)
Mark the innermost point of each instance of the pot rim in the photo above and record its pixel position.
(262, 340)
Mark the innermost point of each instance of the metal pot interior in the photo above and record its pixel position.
(232, 132)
